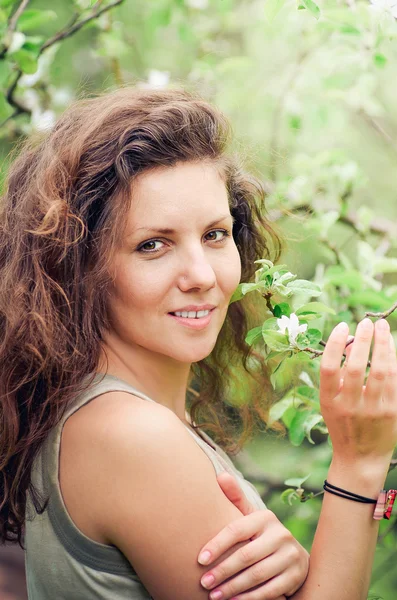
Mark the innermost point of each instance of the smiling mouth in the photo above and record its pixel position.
(191, 314)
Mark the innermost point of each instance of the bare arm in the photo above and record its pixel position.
(362, 421)
(344, 545)
(156, 493)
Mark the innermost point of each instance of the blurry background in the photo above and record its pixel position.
(310, 92)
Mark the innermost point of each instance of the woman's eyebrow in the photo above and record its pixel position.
(168, 231)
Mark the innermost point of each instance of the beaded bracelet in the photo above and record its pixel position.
(384, 502)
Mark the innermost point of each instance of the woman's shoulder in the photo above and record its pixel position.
(151, 489)
(97, 441)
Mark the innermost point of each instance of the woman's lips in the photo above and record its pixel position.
(195, 323)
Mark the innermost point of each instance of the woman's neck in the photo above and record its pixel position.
(159, 377)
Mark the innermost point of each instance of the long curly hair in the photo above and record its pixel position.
(63, 212)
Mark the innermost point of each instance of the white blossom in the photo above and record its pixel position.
(17, 41)
(43, 120)
(291, 325)
(158, 79)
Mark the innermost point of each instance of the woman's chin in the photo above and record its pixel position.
(192, 354)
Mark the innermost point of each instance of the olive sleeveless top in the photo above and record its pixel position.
(62, 563)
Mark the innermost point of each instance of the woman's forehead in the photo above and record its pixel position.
(177, 193)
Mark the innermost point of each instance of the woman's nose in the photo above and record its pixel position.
(196, 273)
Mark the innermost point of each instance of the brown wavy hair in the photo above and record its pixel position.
(63, 212)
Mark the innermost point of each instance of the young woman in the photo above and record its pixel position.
(123, 236)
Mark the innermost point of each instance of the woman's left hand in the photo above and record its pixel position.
(273, 563)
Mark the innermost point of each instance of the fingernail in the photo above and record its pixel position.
(366, 323)
(216, 595)
(207, 581)
(204, 557)
(342, 327)
(382, 325)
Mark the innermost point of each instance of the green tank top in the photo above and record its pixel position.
(62, 563)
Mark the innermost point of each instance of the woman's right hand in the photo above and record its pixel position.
(361, 419)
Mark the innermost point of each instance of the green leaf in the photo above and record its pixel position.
(295, 122)
(314, 336)
(312, 8)
(254, 335)
(265, 272)
(5, 108)
(6, 3)
(314, 307)
(5, 72)
(26, 60)
(297, 429)
(270, 323)
(278, 409)
(297, 481)
(302, 341)
(282, 309)
(251, 287)
(310, 423)
(349, 30)
(263, 261)
(380, 60)
(308, 394)
(288, 496)
(31, 19)
(276, 340)
(309, 316)
(237, 295)
(301, 286)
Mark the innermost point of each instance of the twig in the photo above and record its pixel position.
(12, 24)
(382, 315)
(19, 108)
(61, 35)
(67, 32)
(378, 226)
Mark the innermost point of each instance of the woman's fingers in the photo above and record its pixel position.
(271, 574)
(390, 391)
(355, 371)
(237, 531)
(379, 364)
(235, 571)
(330, 362)
(347, 353)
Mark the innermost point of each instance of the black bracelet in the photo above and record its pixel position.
(332, 489)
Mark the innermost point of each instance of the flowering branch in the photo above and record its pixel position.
(72, 28)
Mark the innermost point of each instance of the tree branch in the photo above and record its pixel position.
(61, 35)
(12, 24)
(67, 32)
(378, 227)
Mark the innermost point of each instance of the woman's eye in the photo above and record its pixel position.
(150, 247)
(217, 235)
(154, 246)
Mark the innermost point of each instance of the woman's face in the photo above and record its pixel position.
(178, 265)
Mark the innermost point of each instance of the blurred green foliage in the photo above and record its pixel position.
(309, 88)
